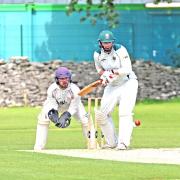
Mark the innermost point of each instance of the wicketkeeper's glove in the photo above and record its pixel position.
(64, 120)
(53, 115)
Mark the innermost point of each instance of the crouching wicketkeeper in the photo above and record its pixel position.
(61, 104)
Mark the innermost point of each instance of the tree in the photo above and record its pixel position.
(106, 11)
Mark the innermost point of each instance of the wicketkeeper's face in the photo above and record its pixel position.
(63, 82)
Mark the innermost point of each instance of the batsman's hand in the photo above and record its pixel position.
(107, 77)
(64, 120)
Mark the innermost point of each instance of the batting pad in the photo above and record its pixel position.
(159, 156)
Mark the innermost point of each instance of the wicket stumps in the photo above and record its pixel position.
(93, 130)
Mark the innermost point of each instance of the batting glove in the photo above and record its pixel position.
(107, 77)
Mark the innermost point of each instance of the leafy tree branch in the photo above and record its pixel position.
(106, 11)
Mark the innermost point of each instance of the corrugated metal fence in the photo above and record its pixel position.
(48, 34)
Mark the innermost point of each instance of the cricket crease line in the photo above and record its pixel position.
(144, 155)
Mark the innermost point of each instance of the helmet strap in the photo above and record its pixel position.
(56, 80)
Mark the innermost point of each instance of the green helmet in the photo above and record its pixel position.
(106, 36)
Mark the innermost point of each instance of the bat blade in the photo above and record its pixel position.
(89, 88)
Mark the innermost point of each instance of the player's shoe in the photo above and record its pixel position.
(121, 146)
(107, 146)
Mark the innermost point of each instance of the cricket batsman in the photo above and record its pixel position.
(113, 64)
(61, 104)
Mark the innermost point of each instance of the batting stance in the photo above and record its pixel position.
(62, 97)
(113, 64)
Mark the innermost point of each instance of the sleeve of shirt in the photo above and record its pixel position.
(50, 102)
(73, 107)
(125, 60)
(96, 62)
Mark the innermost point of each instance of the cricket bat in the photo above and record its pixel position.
(89, 88)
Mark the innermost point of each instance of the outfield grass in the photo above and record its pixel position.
(160, 128)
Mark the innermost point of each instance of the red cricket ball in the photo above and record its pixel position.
(137, 122)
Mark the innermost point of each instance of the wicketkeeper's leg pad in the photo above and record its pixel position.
(41, 132)
(43, 119)
(41, 137)
(85, 129)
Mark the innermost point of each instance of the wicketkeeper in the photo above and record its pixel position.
(113, 64)
(61, 104)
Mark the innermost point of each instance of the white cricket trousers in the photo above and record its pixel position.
(125, 96)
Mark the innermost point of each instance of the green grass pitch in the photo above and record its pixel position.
(160, 128)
